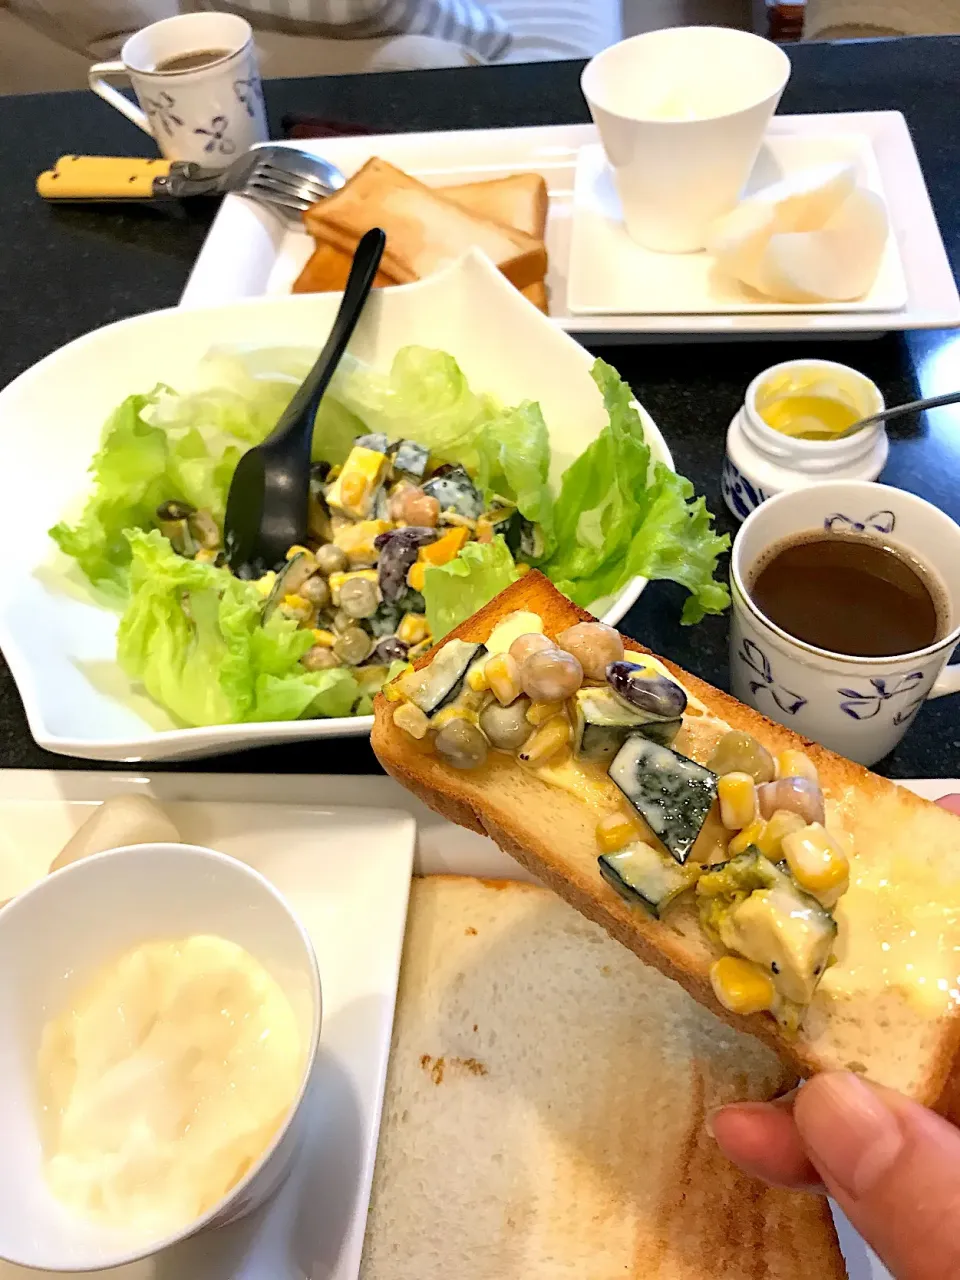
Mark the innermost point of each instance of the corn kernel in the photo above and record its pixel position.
(356, 540)
(741, 986)
(477, 678)
(297, 550)
(392, 691)
(352, 489)
(296, 602)
(738, 800)
(325, 639)
(413, 628)
(540, 712)
(522, 570)
(748, 836)
(779, 825)
(615, 832)
(416, 574)
(265, 584)
(796, 764)
(205, 556)
(484, 530)
(550, 739)
(503, 677)
(411, 720)
(816, 863)
(446, 548)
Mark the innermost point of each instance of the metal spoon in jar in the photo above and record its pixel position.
(897, 410)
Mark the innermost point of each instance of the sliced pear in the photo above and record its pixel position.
(836, 264)
(803, 201)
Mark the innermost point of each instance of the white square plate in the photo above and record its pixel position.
(251, 250)
(346, 873)
(612, 274)
(40, 809)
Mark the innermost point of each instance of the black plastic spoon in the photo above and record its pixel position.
(269, 493)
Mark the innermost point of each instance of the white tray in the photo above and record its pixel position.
(251, 251)
(317, 1221)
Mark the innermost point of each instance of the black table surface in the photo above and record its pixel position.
(66, 270)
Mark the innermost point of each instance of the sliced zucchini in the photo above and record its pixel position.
(641, 874)
(411, 459)
(672, 794)
(289, 580)
(602, 722)
(375, 440)
(433, 687)
(455, 491)
(758, 911)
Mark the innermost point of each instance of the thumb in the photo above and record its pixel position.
(893, 1167)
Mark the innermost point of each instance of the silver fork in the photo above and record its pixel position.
(285, 177)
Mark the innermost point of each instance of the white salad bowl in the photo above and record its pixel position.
(60, 640)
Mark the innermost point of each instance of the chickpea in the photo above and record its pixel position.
(316, 591)
(532, 642)
(421, 509)
(352, 646)
(507, 728)
(330, 559)
(739, 752)
(320, 659)
(594, 645)
(461, 744)
(358, 598)
(550, 675)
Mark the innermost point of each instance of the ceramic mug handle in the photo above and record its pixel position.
(98, 74)
(948, 681)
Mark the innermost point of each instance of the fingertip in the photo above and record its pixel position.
(762, 1139)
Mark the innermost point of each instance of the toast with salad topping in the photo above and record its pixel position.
(794, 893)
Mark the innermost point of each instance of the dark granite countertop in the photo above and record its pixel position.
(68, 270)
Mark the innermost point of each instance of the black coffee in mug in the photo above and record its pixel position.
(861, 596)
(192, 61)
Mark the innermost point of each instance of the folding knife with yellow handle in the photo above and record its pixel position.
(123, 178)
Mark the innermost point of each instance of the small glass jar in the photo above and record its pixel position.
(761, 461)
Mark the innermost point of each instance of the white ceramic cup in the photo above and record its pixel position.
(53, 939)
(209, 115)
(681, 114)
(860, 707)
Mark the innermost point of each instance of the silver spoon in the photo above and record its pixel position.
(896, 410)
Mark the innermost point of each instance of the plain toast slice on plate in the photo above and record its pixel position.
(862, 1018)
(425, 230)
(544, 1112)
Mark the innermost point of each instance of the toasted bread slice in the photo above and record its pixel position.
(519, 1145)
(537, 294)
(327, 270)
(518, 201)
(859, 1019)
(425, 230)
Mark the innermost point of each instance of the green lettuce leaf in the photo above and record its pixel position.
(514, 462)
(167, 446)
(192, 635)
(618, 517)
(425, 397)
(455, 590)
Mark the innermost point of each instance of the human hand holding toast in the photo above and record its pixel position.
(891, 1165)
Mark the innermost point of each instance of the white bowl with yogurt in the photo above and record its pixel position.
(126, 1132)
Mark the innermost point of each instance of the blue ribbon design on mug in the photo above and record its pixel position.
(859, 705)
(217, 136)
(163, 109)
(753, 656)
(878, 522)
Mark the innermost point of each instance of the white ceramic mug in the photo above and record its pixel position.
(209, 114)
(858, 706)
(681, 114)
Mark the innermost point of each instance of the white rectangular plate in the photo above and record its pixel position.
(252, 251)
(346, 872)
(610, 273)
(270, 821)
